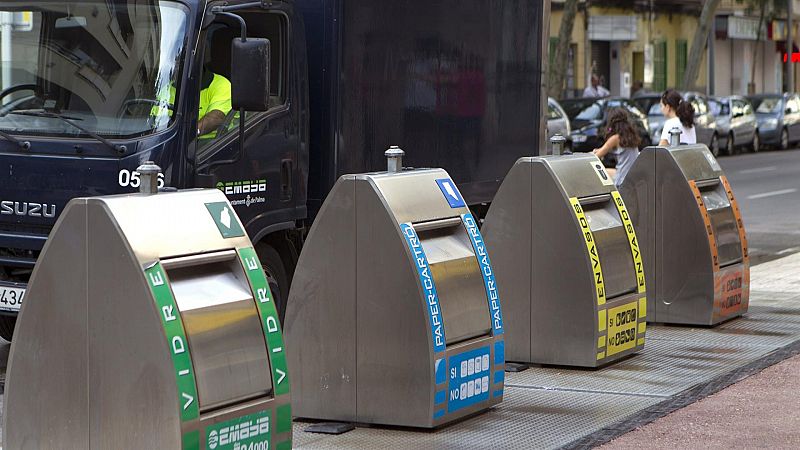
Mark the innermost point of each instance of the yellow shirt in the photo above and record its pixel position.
(217, 96)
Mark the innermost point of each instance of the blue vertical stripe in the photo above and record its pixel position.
(430, 297)
(482, 255)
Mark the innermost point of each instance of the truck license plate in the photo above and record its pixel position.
(11, 297)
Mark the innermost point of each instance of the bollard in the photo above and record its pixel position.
(557, 143)
(394, 159)
(674, 137)
(149, 177)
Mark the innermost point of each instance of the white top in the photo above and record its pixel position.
(687, 134)
(626, 156)
(592, 92)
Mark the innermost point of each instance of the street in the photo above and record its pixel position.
(767, 187)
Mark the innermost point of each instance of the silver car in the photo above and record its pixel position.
(736, 123)
(557, 120)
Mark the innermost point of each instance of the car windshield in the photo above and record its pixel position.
(576, 108)
(111, 67)
(767, 105)
(718, 108)
(648, 105)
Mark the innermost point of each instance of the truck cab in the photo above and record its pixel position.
(92, 89)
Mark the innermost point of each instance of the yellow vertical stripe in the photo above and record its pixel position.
(591, 249)
(636, 254)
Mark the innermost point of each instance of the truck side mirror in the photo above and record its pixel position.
(250, 71)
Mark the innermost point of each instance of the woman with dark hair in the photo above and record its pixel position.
(680, 115)
(623, 140)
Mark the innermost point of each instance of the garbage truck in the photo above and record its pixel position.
(268, 101)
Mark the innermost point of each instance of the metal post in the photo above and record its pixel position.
(394, 159)
(6, 26)
(557, 144)
(789, 47)
(675, 137)
(148, 172)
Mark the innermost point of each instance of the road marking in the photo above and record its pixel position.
(787, 250)
(771, 194)
(759, 169)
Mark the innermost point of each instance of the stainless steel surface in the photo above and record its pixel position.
(557, 142)
(394, 159)
(726, 231)
(453, 266)
(224, 332)
(673, 235)
(544, 272)
(675, 137)
(148, 173)
(619, 276)
(357, 323)
(92, 366)
(193, 260)
(566, 405)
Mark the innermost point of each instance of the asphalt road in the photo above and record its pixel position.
(767, 187)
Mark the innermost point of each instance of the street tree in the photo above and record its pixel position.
(699, 44)
(558, 70)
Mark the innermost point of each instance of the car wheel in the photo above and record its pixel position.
(7, 324)
(714, 147)
(756, 145)
(784, 139)
(731, 147)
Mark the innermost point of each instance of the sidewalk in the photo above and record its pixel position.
(546, 407)
(762, 411)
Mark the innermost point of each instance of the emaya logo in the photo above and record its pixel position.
(8, 207)
(233, 434)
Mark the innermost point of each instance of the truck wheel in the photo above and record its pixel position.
(278, 279)
(7, 324)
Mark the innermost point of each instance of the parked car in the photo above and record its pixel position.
(587, 116)
(557, 120)
(778, 117)
(736, 123)
(706, 131)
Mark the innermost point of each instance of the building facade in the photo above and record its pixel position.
(642, 43)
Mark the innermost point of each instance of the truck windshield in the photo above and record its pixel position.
(112, 67)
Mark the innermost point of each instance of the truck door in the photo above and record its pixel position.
(260, 185)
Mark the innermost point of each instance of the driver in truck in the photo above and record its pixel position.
(215, 100)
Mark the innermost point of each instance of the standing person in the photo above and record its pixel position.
(680, 114)
(623, 140)
(596, 89)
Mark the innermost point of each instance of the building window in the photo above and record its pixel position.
(660, 66)
(680, 60)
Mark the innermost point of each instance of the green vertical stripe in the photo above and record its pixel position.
(269, 319)
(284, 419)
(191, 440)
(179, 349)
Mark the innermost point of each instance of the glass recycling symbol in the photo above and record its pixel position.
(226, 220)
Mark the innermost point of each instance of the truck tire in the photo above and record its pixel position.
(277, 276)
(7, 324)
